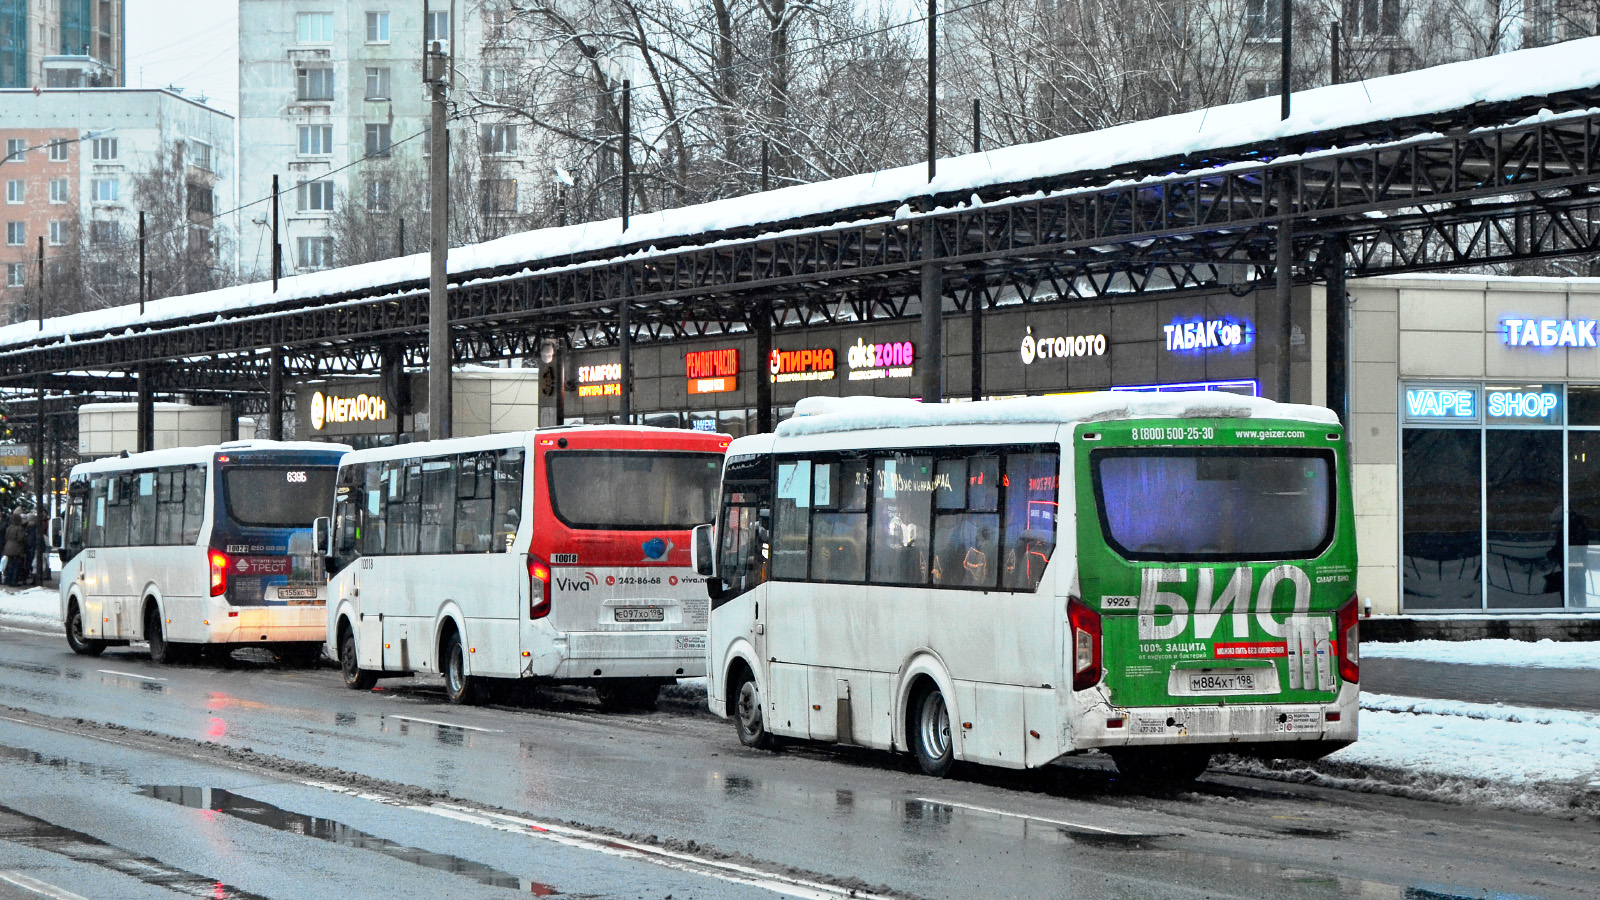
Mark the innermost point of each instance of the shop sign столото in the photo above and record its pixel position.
(1061, 347)
(603, 380)
(332, 409)
(801, 365)
(712, 371)
(869, 362)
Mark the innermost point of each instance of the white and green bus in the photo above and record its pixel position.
(1158, 576)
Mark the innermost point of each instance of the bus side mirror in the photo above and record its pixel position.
(322, 535)
(702, 551)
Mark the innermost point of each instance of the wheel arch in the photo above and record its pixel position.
(923, 667)
(450, 619)
(740, 655)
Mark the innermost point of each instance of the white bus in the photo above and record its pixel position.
(198, 549)
(1007, 582)
(558, 555)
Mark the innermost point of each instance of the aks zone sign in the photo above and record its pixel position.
(712, 371)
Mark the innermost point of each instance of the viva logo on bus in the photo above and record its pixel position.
(1165, 615)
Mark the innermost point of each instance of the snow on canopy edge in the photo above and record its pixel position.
(826, 415)
(1534, 72)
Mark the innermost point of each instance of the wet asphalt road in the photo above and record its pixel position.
(1514, 686)
(101, 813)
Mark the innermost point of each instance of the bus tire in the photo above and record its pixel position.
(623, 695)
(459, 687)
(80, 645)
(1161, 766)
(162, 651)
(355, 677)
(930, 737)
(749, 716)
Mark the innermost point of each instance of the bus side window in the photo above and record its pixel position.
(194, 502)
(1031, 504)
(902, 513)
(142, 531)
(169, 507)
(94, 529)
(349, 505)
(474, 503)
(839, 521)
(374, 519)
(119, 508)
(436, 523)
(966, 529)
(791, 526)
(507, 499)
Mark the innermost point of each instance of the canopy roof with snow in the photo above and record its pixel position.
(1564, 75)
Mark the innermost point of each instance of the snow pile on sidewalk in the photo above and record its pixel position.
(36, 608)
(1514, 757)
(1546, 654)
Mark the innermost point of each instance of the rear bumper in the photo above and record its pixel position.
(645, 654)
(1218, 726)
(267, 624)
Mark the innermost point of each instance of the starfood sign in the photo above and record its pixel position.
(712, 371)
(1061, 347)
(869, 362)
(801, 365)
(1548, 332)
(603, 380)
(331, 409)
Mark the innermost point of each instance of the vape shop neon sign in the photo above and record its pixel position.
(1548, 332)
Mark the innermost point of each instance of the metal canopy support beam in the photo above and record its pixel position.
(145, 419)
(976, 298)
(1283, 265)
(763, 328)
(624, 346)
(930, 358)
(42, 515)
(439, 345)
(275, 397)
(1338, 331)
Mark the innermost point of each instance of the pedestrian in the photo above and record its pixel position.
(30, 552)
(16, 547)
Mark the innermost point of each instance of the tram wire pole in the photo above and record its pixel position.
(766, 148)
(439, 350)
(1286, 69)
(932, 289)
(1335, 76)
(977, 125)
(41, 282)
(977, 293)
(933, 88)
(277, 246)
(141, 263)
(401, 243)
(627, 153)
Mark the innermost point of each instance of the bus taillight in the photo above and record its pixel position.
(538, 587)
(219, 572)
(1349, 625)
(1085, 624)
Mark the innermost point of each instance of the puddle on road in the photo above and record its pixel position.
(21, 828)
(59, 762)
(275, 817)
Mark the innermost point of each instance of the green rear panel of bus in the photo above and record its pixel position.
(1206, 494)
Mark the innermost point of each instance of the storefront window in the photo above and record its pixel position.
(1583, 515)
(1441, 548)
(1523, 492)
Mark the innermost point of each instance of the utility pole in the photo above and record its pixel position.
(627, 157)
(977, 125)
(1286, 69)
(141, 263)
(401, 248)
(765, 149)
(933, 88)
(439, 350)
(277, 247)
(41, 517)
(1335, 75)
(41, 291)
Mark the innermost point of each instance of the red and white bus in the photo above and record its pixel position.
(560, 555)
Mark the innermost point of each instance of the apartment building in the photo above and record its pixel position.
(62, 43)
(331, 101)
(80, 164)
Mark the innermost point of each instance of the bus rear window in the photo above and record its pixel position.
(278, 496)
(633, 490)
(1224, 504)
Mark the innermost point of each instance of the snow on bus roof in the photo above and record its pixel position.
(178, 456)
(823, 415)
(1535, 72)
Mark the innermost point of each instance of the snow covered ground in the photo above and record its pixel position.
(1544, 654)
(32, 608)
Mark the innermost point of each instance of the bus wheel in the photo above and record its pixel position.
(1161, 766)
(459, 687)
(930, 734)
(747, 716)
(355, 677)
(162, 652)
(623, 695)
(81, 645)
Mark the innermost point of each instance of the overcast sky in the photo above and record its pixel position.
(193, 44)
